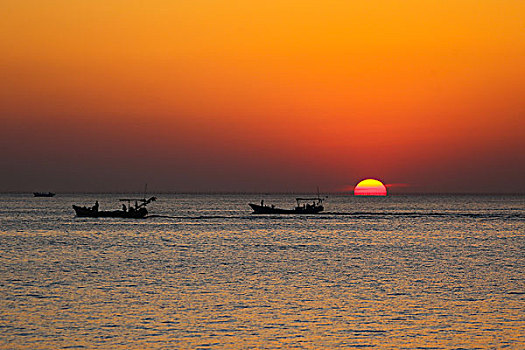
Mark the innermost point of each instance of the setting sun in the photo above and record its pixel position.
(370, 187)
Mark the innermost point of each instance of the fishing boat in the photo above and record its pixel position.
(303, 207)
(43, 194)
(136, 211)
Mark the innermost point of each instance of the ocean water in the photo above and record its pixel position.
(397, 272)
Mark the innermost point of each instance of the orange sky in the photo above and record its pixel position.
(262, 95)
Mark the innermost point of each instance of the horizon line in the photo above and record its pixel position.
(347, 193)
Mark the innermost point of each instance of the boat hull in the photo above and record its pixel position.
(259, 209)
(90, 213)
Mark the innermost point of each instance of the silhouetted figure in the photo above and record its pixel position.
(124, 208)
(95, 207)
(262, 203)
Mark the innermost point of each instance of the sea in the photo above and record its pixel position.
(203, 272)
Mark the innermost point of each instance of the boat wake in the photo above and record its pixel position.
(192, 217)
(357, 215)
(428, 214)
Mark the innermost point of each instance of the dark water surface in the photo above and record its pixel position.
(427, 272)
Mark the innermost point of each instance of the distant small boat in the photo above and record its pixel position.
(302, 207)
(44, 194)
(138, 211)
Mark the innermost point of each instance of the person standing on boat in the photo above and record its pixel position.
(95, 207)
(262, 202)
(124, 209)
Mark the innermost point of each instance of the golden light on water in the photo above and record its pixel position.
(384, 278)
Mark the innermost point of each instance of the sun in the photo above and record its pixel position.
(370, 187)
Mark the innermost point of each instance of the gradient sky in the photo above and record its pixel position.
(273, 95)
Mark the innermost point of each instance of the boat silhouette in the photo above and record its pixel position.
(303, 207)
(44, 194)
(138, 211)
